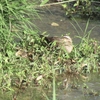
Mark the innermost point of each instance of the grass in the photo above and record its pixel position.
(48, 62)
(37, 64)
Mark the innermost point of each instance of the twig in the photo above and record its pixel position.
(50, 4)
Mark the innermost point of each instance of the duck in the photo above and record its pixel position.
(64, 42)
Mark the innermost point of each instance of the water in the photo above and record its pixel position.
(57, 15)
(92, 92)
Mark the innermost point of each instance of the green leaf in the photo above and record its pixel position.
(76, 4)
(44, 2)
(64, 6)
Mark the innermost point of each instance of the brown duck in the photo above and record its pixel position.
(64, 42)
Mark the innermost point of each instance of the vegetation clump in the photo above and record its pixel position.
(78, 8)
